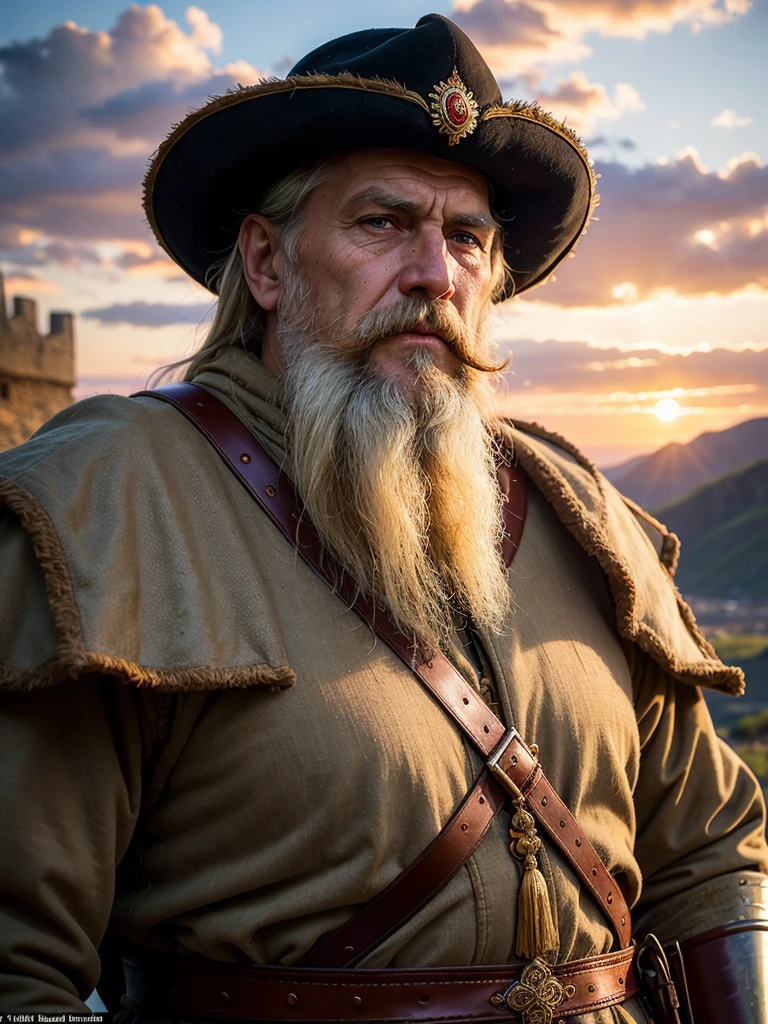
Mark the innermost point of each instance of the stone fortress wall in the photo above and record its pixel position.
(37, 372)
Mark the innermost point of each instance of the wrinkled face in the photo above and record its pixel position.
(394, 223)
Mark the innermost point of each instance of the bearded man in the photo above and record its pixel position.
(273, 669)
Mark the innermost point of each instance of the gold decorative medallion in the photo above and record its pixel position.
(454, 110)
(536, 996)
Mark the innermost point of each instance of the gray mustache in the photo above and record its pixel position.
(427, 316)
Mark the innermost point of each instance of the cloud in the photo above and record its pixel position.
(149, 314)
(679, 227)
(81, 110)
(146, 111)
(136, 265)
(77, 171)
(23, 283)
(730, 119)
(51, 84)
(49, 81)
(636, 18)
(582, 103)
(580, 367)
(65, 254)
(108, 215)
(629, 145)
(516, 35)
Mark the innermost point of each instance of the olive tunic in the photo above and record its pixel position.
(203, 751)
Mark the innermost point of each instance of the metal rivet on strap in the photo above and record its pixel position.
(357, 1001)
(543, 801)
(486, 729)
(464, 826)
(514, 760)
(594, 872)
(578, 842)
(621, 981)
(424, 999)
(245, 457)
(349, 949)
(482, 799)
(465, 699)
(562, 823)
(291, 999)
(224, 996)
(623, 920)
(610, 898)
(271, 492)
(590, 988)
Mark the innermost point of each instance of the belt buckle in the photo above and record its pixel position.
(656, 978)
(536, 995)
(498, 771)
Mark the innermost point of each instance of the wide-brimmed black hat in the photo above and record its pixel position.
(425, 88)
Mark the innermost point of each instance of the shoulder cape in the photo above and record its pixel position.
(127, 547)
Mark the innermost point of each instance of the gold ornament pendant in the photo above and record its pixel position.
(454, 110)
(536, 932)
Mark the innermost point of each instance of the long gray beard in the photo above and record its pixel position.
(400, 483)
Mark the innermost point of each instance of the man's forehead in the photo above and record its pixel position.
(413, 174)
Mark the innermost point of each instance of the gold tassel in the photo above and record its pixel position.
(536, 933)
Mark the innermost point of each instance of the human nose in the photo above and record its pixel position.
(428, 270)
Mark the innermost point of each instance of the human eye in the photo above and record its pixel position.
(466, 238)
(379, 222)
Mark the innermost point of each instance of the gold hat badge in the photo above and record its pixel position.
(454, 110)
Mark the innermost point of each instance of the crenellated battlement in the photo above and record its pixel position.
(37, 371)
(27, 354)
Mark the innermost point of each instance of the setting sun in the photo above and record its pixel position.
(667, 409)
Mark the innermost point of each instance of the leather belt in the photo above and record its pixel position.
(534, 991)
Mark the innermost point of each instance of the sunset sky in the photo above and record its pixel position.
(666, 297)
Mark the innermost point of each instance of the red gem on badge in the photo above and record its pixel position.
(454, 110)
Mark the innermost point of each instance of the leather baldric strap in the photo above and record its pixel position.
(413, 888)
(514, 768)
(211, 991)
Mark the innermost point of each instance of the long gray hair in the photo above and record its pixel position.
(239, 320)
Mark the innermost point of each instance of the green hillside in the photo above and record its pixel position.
(723, 529)
(743, 721)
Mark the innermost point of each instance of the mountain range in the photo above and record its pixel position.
(723, 529)
(675, 470)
